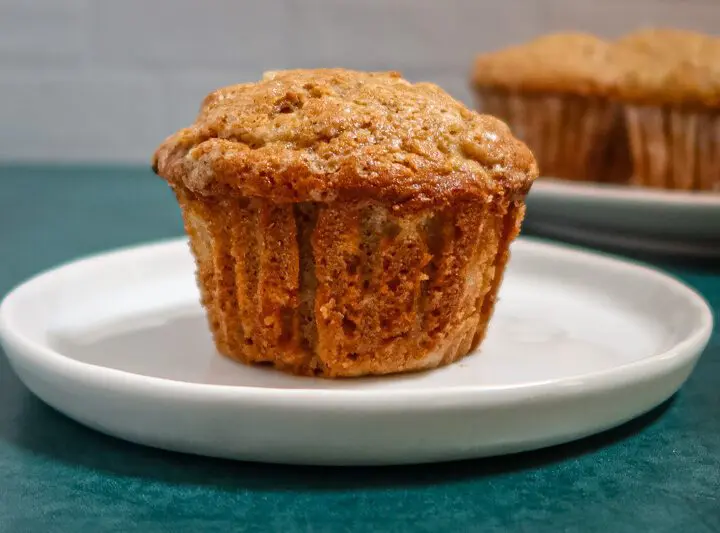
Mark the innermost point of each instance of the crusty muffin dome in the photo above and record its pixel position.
(316, 135)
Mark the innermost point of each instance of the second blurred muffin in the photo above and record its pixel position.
(670, 85)
(554, 94)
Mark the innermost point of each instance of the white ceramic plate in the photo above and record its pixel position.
(579, 343)
(675, 222)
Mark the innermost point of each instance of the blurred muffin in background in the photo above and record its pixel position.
(554, 94)
(670, 85)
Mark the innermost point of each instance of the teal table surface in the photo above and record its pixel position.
(658, 473)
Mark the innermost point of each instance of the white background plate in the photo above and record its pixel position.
(625, 217)
(579, 343)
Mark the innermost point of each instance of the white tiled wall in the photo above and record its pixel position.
(106, 80)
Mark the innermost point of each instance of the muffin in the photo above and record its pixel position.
(554, 94)
(670, 85)
(346, 223)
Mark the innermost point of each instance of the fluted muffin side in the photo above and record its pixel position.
(674, 148)
(345, 289)
(575, 138)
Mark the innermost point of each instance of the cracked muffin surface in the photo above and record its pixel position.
(314, 135)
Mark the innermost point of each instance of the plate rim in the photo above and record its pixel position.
(609, 239)
(20, 348)
(609, 192)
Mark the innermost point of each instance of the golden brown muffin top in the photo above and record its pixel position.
(319, 135)
(574, 63)
(663, 40)
(669, 66)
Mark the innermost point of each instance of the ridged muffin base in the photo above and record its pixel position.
(572, 137)
(347, 289)
(675, 148)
